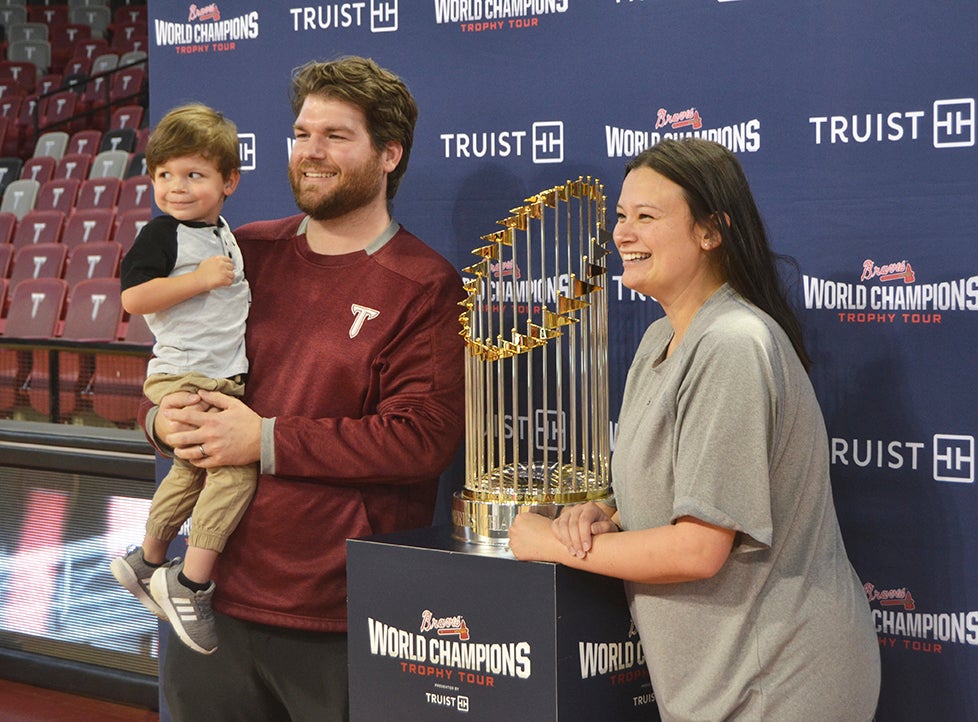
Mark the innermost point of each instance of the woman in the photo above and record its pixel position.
(725, 531)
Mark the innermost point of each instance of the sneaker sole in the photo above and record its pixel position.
(127, 578)
(157, 585)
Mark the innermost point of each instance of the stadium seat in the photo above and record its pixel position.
(87, 141)
(97, 17)
(119, 139)
(52, 143)
(24, 72)
(10, 88)
(64, 35)
(126, 116)
(105, 63)
(136, 58)
(78, 65)
(10, 168)
(40, 168)
(50, 15)
(58, 194)
(123, 33)
(49, 83)
(137, 332)
(98, 192)
(137, 165)
(11, 14)
(88, 225)
(134, 12)
(128, 225)
(37, 52)
(8, 224)
(38, 227)
(43, 260)
(92, 260)
(19, 197)
(76, 165)
(6, 257)
(35, 308)
(117, 385)
(142, 138)
(136, 192)
(109, 163)
(95, 311)
(127, 84)
(90, 47)
(10, 107)
(27, 31)
(58, 111)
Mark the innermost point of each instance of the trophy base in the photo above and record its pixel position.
(487, 522)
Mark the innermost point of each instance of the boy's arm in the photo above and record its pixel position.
(159, 294)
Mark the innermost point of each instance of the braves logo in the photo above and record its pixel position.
(362, 314)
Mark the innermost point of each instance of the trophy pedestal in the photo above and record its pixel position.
(438, 627)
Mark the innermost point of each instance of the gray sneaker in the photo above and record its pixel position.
(189, 612)
(134, 574)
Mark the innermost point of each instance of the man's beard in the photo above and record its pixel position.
(359, 188)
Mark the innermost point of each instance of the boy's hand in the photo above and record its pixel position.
(216, 271)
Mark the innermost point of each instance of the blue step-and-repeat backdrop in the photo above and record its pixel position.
(856, 125)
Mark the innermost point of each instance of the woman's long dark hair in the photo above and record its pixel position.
(719, 197)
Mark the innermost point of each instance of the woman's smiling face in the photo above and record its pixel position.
(661, 246)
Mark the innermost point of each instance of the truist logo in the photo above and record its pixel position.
(689, 118)
(444, 626)
(899, 597)
(208, 12)
(361, 314)
(902, 270)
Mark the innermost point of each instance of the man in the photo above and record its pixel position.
(354, 404)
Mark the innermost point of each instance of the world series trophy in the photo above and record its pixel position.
(536, 376)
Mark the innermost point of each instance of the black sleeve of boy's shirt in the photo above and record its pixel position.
(153, 253)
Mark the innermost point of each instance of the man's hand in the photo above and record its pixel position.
(221, 432)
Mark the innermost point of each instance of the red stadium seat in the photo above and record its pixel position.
(126, 116)
(92, 260)
(136, 192)
(76, 165)
(129, 224)
(39, 227)
(44, 260)
(88, 225)
(35, 308)
(6, 261)
(137, 332)
(58, 194)
(85, 141)
(93, 316)
(95, 311)
(39, 168)
(8, 224)
(100, 192)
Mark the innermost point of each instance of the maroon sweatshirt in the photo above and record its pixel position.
(359, 360)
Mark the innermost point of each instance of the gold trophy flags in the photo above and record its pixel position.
(535, 323)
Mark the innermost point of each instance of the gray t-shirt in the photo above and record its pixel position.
(728, 430)
(205, 333)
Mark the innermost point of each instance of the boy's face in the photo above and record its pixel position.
(191, 188)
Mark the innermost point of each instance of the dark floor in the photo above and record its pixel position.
(23, 703)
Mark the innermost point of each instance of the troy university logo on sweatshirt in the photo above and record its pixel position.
(361, 314)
